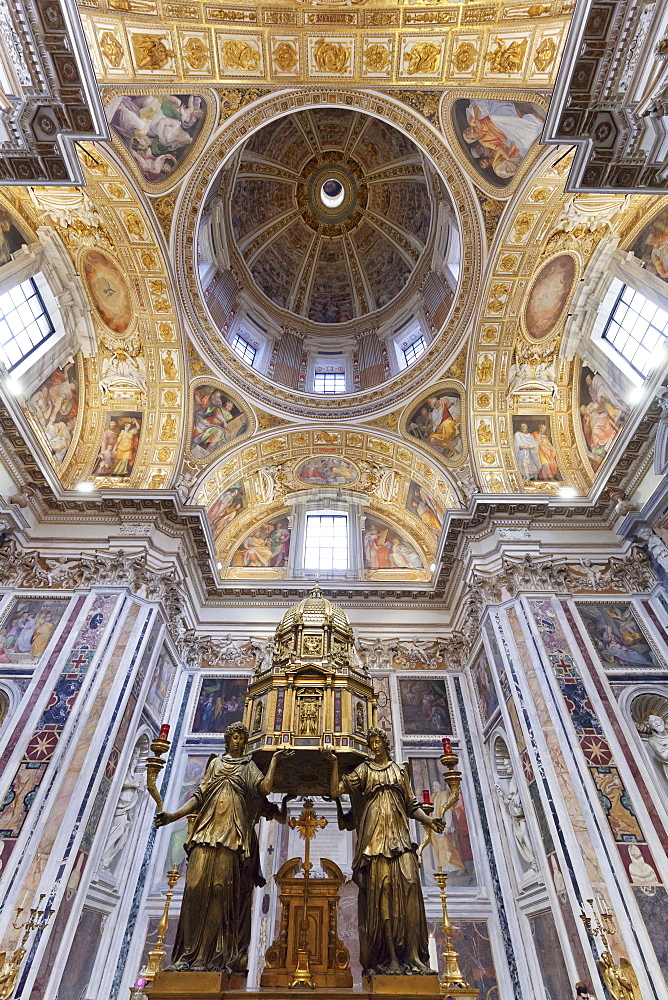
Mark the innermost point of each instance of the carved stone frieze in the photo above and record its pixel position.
(629, 574)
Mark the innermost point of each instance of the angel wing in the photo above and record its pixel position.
(629, 980)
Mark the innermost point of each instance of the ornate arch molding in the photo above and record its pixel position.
(247, 456)
(236, 131)
(535, 229)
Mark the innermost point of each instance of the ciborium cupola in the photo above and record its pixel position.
(311, 696)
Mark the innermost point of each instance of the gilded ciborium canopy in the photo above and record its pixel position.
(311, 696)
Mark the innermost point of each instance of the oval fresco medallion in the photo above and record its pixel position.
(108, 289)
(327, 470)
(549, 295)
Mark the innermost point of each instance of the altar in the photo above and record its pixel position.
(310, 731)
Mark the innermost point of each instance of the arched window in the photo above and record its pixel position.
(637, 329)
(25, 323)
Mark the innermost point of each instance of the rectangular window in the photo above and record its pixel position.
(326, 545)
(637, 329)
(329, 382)
(245, 350)
(24, 323)
(414, 350)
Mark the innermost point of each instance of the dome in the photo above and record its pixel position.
(316, 611)
(330, 213)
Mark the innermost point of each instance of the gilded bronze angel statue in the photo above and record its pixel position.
(392, 923)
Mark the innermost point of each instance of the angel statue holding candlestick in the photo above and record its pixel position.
(223, 858)
(392, 923)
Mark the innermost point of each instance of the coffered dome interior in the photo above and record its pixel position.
(329, 213)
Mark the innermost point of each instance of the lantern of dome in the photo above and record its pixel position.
(312, 696)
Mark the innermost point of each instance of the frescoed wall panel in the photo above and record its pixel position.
(436, 422)
(220, 703)
(27, 627)
(425, 710)
(386, 549)
(651, 245)
(472, 942)
(618, 637)
(534, 449)
(162, 679)
(326, 470)
(603, 411)
(223, 511)
(425, 506)
(266, 548)
(54, 407)
(119, 444)
(483, 679)
(217, 419)
(451, 849)
(495, 136)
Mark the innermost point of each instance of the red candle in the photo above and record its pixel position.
(425, 796)
(447, 747)
(164, 731)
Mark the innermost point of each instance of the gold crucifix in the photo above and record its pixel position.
(308, 825)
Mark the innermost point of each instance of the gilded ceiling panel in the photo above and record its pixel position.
(129, 428)
(474, 44)
(540, 421)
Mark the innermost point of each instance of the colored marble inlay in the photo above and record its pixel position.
(278, 718)
(337, 711)
(611, 791)
(629, 751)
(42, 744)
(487, 837)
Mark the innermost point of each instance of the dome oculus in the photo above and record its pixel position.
(332, 193)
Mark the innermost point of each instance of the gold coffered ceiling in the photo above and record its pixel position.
(257, 106)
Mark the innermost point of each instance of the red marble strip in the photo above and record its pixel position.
(652, 614)
(628, 751)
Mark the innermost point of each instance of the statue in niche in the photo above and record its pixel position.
(259, 714)
(121, 824)
(308, 718)
(513, 803)
(392, 924)
(656, 732)
(359, 717)
(656, 547)
(214, 927)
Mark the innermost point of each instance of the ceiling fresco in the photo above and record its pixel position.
(330, 259)
(253, 486)
(343, 146)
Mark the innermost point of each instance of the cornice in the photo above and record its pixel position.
(167, 513)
